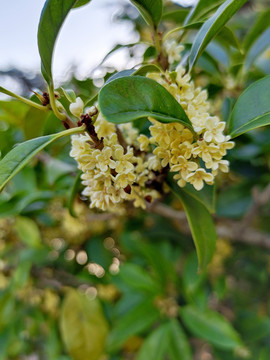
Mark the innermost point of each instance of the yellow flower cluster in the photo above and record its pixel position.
(123, 168)
(177, 146)
(113, 174)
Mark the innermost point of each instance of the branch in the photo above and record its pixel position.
(230, 230)
(260, 198)
(54, 278)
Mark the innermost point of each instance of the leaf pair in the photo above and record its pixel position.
(212, 27)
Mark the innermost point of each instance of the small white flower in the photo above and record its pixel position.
(173, 51)
(214, 129)
(198, 177)
(76, 108)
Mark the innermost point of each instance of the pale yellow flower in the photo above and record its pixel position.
(165, 155)
(198, 177)
(104, 128)
(214, 130)
(204, 150)
(184, 166)
(123, 161)
(123, 180)
(104, 159)
(144, 142)
(154, 163)
(173, 50)
(221, 165)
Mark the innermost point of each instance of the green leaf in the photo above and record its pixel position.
(140, 318)
(120, 74)
(253, 327)
(22, 99)
(52, 17)
(135, 97)
(18, 157)
(259, 27)
(202, 8)
(69, 94)
(34, 122)
(207, 196)
(176, 16)
(137, 278)
(151, 10)
(83, 326)
(201, 225)
(28, 231)
(13, 112)
(212, 27)
(73, 193)
(192, 281)
(148, 68)
(80, 3)
(154, 347)
(178, 345)
(210, 326)
(261, 44)
(252, 109)
(225, 35)
(142, 71)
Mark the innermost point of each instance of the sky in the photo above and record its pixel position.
(87, 35)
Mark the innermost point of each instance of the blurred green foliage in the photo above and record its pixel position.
(99, 286)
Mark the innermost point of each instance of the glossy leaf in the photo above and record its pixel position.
(129, 98)
(140, 318)
(201, 225)
(261, 24)
(252, 109)
(261, 44)
(210, 326)
(19, 156)
(52, 17)
(212, 27)
(202, 8)
(151, 10)
(178, 345)
(83, 326)
(154, 347)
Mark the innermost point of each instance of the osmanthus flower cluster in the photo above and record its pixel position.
(119, 164)
(114, 170)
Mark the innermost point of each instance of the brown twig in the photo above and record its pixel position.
(230, 229)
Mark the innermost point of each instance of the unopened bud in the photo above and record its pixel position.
(76, 108)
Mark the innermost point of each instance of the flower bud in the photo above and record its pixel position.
(76, 108)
